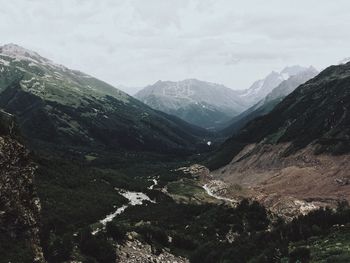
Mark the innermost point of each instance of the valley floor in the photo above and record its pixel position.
(160, 210)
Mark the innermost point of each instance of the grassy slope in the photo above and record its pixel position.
(60, 106)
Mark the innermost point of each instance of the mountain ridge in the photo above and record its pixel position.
(198, 102)
(261, 88)
(54, 103)
(298, 153)
(265, 105)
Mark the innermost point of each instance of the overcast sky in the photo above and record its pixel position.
(137, 42)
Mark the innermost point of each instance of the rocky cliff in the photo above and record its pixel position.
(19, 204)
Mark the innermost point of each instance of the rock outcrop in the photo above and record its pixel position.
(19, 204)
(196, 171)
(135, 251)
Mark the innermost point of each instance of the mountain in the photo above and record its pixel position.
(298, 154)
(344, 60)
(261, 88)
(204, 104)
(63, 108)
(264, 106)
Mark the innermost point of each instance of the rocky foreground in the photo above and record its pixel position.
(134, 251)
(19, 205)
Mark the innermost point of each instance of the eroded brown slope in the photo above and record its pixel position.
(300, 181)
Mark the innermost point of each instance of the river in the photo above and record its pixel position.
(135, 198)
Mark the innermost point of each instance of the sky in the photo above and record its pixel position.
(135, 43)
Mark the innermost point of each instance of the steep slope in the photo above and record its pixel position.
(19, 204)
(201, 103)
(265, 105)
(297, 153)
(59, 106)
(261, 88)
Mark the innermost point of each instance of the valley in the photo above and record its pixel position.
(105, 178)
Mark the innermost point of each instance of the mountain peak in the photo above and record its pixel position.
(198, 102)
(293, 70)
(344, 61)
(18, 52)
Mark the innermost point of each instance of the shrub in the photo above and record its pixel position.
(184, 242)
(301, 254)
(60, 249)
(151, 234)
(116, 232)
(97, 247)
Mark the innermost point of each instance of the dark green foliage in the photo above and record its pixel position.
(15, 250)
(300, 254)
(117, 232)
(74, 195)
(153, 234)
(206, 253)
(194, 226)
(254, 216)
(238, 122)
(97, 247)
(60, 249)
(183, 241)
(272, 246)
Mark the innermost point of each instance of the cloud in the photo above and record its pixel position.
(137, 42)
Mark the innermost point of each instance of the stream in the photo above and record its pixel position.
(135, 198)
(155, 182)
(212, 194)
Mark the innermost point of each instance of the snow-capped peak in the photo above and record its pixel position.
(292, 70)
(262, 87)
(18, 52)
(344, 61)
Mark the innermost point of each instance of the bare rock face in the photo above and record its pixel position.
(134, 251)
(197, 171)
(19, 204)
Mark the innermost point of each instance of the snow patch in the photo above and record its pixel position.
(344, 61)
(4, 62)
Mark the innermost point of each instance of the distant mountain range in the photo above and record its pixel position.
(204, 104)
(67, 108)
(212, 106)
(263, 87)
(297, 77)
